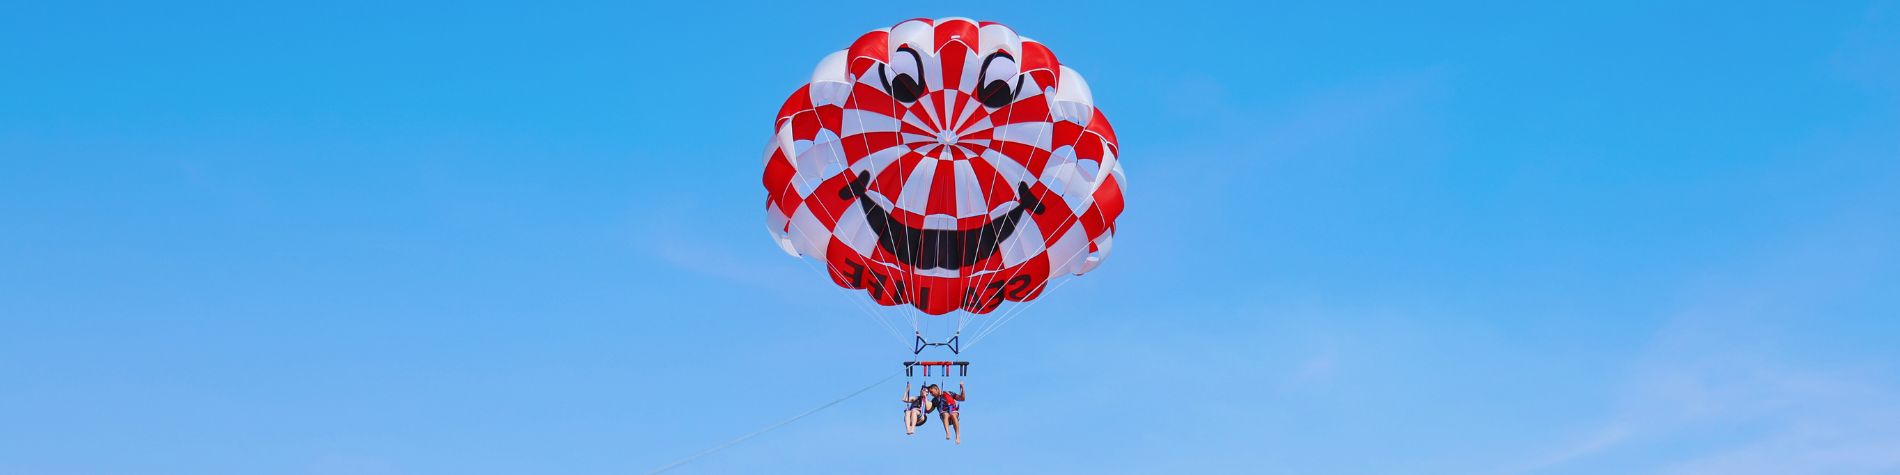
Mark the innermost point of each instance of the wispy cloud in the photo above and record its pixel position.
(1732, 387)
(707, 259)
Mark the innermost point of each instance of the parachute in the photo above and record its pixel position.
(946, 165)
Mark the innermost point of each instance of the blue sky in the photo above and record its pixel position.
(475, 237)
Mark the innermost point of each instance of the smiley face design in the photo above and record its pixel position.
(945, 164)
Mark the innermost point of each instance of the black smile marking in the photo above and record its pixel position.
(934, 248)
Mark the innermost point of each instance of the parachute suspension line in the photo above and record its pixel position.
(963, 319)
(910, 314)
(919, 320)
(908, 305)
(859, 305)
(775, 426)
(1013, 314)
(854, 302)
(1071, 219)
(875, 315)
(829, 269)
(1066, 221)
(1020, 309)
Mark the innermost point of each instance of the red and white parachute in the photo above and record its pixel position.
(946, 164)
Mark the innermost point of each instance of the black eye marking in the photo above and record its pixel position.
(996, 92)
(905, 88)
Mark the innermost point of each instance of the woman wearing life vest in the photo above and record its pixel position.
(916, 407)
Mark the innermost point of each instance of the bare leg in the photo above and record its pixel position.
(945, 417)
(957, 423)
(910, 422)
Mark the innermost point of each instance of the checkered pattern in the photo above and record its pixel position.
(944, 161)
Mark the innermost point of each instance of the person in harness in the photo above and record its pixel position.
(915, 408)
(946, 405)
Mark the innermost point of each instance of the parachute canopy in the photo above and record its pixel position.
(945, 164)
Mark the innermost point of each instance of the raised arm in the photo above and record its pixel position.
(962, 393)
(906, 392)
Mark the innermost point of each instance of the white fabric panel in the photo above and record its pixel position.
(920, 36)
(972, 64)
(1023, 244)
(1073, 88)
(786, 142)
(1074, 112)
(1089, 169)
(969, 109)
(785, 244)
(775, 223)
(1037, 134)
(997, 36)
(1031, 88)
(832, 68)
(798, 148)
(970, 199)
(830, 81)
(770, 146)
(974, 127)
(808, 235)
(917, 187)
(930, 103)
(915, 120)
(879, 199)
(870, 78)
(802, 176)
(1109, 166)
(940, 222)
(1066, 254)
(855, 231)
(829, 93)
(968, 152)
(1066, 178)
(858, 121)
(1010, 170)
(917, 33)
(910, 138)
(1102, 246)
(1072, 101)
(876, 161)
(832, 168)
(819, 160)
(1004, 208)
(933, 70)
